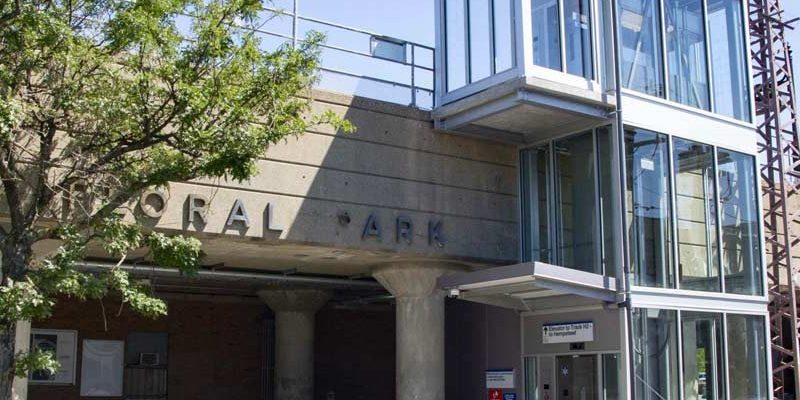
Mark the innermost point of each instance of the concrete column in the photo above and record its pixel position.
(294, 339)
(19, 390)
(420, 328)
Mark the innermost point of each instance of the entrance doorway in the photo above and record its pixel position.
(585, 376)
(576, 377)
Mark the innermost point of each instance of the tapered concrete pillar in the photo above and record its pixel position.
(294, 339)
(420, 328)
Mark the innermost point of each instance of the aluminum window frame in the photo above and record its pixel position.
(443, 91)
(723, 345)
(709, 70)
(552, 207)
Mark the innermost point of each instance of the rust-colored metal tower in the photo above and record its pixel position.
(779, 153)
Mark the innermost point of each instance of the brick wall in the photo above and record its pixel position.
(355, 353)
(215, 348)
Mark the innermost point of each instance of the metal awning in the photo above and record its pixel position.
(522, 286)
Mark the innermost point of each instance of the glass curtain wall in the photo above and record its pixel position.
(709, 210)
(576, 21)
(695, 192)
(655, 346)
(717, 352)
(566, 197)
(649, 218)
(739, 220)
(703, 42)
(479, 40)
(686, 52)
(640, 38)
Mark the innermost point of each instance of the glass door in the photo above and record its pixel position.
(576, 377)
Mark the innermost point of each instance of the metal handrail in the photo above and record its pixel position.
(409, 47)
(413, 86)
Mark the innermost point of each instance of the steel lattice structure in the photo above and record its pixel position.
(779, 151)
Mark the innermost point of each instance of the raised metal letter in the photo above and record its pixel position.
(153, 211)
(405, 229)
(372, 228)
(200, 210)
(435, 236)
(238, 213)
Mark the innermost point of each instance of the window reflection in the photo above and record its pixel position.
(747, 354)
(577, 209)
(640, 37)
(695, 192)
(578, 37)
(480, 56)
(456, 44)
(503, 34)
(535, 166)
(655, 346)
(740, 219)
(546, 34)
(702, 356)
(686, 52)
(649, 209)
(729, 58)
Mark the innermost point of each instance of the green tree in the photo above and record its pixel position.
(102, 99)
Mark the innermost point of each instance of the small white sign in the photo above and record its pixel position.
(500, 379)
(568, 332)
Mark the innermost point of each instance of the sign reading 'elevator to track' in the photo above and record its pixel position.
(568, 332)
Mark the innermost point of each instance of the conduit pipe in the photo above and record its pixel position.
(266, 278)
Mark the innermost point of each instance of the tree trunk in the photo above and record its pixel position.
(7, 346)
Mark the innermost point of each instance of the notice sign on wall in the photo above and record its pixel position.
(568, 332)
(500, 379)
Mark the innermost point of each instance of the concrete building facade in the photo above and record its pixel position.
(576, 218)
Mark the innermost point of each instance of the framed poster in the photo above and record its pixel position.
(101, 368)
(63, 344)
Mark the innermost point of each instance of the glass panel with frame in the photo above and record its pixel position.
(606, 191)
(456, 50)
(729, 58)
(695, 192)
(576, 377)
(503, 34)
(611, 370)
(578, 37)
(546, 34)
(686, 52)
(560, 203)
(576, 203)
(739, 221)
(535, 172)
(640, 38)
(747, 357)
(531, 383)
(480, 57)
(702, 356)
(649, 218)
(655, 359)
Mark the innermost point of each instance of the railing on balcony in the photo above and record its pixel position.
(359, 62)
